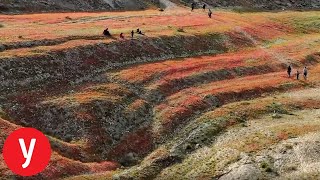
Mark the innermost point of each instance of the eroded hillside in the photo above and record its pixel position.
(41, 6)
(31, 6)
(192, 98)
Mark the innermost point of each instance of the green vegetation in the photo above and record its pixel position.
(307, 24)
(3, 114)
(266, 167)
(277, 108)
(311, 59)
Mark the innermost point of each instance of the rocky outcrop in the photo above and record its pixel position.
(31, 6)
(262, 4)
(13, 6)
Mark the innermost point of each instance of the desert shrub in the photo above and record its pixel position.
(311, 59)
(180, 30)
(277, 108)
(3, 114)
(239, 117)
(266, 166)
(1, 25)
(288, 85)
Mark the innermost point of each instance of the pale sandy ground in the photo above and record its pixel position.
(266, 148)
(295, 158)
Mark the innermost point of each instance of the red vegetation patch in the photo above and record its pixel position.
(61, 167)
(84, 115)
(136, 105)
(282, 136)
(268, 30)
(139, 142)
(187, 102)
(6, 128)
(109, 92)
(103, 166)
(179, 68)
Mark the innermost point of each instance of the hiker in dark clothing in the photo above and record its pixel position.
(289, 70)
(298, 74)
(121, 36)
(210, 13)
(305, 73)
(204, 7)
(106, 32)
(138, 30)
(132, 34)
(193, 5)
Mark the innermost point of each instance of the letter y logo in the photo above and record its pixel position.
(27, 155)
(27, 152)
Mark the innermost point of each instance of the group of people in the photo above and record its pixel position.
(193, 6)
(305, 72)
(107, 33)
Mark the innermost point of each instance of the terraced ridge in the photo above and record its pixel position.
(271, 130)
(148, 106)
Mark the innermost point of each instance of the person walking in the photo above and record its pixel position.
(121, 36)
(132, 34)
(298, 74)
(204, 7)
(193, 5)
(210, 13)
(305, 73)
(289, 70)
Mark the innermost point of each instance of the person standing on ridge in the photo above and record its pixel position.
(305, 73)
(298, 74)
(289, 70)
(204, 7)
(193, 5)
(121, 36)
(210, 13)
(106, 32)
(132, 34)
